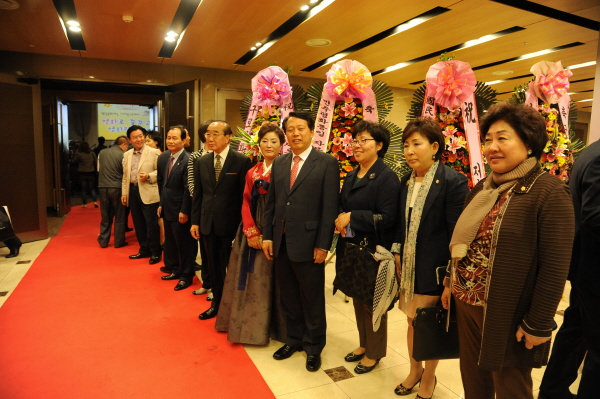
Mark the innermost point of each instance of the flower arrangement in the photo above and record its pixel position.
(456, 153)
(557, 158)
(248, 142)
(346, 114)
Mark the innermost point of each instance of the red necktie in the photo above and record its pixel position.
(294, 171)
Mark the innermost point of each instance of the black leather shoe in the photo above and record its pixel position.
(128, 229)
(165, 269)
(286, 351)
(209, 314)
(362, 369)
(13, 252)
(313, 362)
(171, 276)
(139, 255)
(122, 245)
(182, 285)
(154, 259)
(352, 357)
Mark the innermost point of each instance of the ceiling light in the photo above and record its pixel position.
(536, 54)
(252, 48)
(258, 44)
(313, 1)
(583, 101)
(493, 82)
(72, 23)
(170, 39)
(304, 8)
(582, 65)
(91, 77)
(502, 73)
(172, 34)
(74, 28)
(318, 42)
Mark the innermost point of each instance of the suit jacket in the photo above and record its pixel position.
(443, 206)
(217, 205)
(148, 164)
(174, 194)
(585, 190)
(110, 167)
(376, 193)
(307, 211)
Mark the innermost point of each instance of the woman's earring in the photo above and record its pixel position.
(433, 157)
(529, 152)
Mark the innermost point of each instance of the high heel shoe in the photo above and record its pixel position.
(402, 390)
(434, 384)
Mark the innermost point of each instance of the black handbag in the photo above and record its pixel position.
(357, 270)
(431, 340)
(6, 228)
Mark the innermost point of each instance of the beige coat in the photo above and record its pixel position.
(148, 161)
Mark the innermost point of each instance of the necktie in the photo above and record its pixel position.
(171, 166)
(294, 171)
(218, 166)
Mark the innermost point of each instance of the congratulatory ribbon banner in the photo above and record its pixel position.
(115, 119)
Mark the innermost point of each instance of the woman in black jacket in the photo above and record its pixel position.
(431, 200)
(371, 189)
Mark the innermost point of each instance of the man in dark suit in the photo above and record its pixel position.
(300, 210)
(580, 331)
(219, 180)
(175, 208)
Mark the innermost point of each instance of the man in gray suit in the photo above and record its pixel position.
(110, 177)
(300, 210)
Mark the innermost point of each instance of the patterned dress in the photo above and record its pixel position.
(250, 309)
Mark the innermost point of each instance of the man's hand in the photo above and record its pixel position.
(446, 298)
(143, 176)
(159, 211)
(268, 249)
(183, 218)
(319, 255)
(195, 231)
(124, 200)
(530, 340)
(342, 221)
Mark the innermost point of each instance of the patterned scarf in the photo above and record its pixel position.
(407, 284)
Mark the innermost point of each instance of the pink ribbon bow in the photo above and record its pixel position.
(452, 83)
(348, 78)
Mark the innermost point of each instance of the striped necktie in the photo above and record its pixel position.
(294, 171)
(218, 166)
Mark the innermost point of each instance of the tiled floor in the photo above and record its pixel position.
(289, 379)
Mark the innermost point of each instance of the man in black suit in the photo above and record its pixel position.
(175, 208)
(219, 180)
(580, 331)
(300, 210)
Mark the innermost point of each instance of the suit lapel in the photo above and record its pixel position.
(286, 161)
(211, 168)
(142, 157)
(434, 190)
(308, 166)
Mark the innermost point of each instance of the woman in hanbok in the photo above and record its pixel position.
(250, 310)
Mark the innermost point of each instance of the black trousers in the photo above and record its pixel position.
(180, 249)
(218, 249)
(145, 221)
(88, 182)
(111, 208)
(302, 286)
(579, 333)
(13, 243)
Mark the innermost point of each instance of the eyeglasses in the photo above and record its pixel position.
(212, 135)
(360, 142)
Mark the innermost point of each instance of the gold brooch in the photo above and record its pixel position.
(523, 188)
(437, 182)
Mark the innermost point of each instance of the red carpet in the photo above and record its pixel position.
(87, 322)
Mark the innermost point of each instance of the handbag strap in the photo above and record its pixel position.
(379, 232)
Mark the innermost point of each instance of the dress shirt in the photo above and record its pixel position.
(303, 157)
(135, 162)
(223, 155)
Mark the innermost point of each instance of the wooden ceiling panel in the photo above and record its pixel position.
(571, 6)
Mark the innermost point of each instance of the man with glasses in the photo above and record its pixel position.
(300, 210)
(219, 180)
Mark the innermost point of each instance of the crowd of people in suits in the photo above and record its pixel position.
(265, 232)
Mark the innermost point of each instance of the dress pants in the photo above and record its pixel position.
(111, 208)
(302, 286)
(510, 382)
(218, 249)
(579, 333)
(375, 342)
(145, 221)
(88, 181)
(13, 243)
(180, 249)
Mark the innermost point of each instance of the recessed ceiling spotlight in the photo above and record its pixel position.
(31, 45)
(502, 73)
(74, 28)
(172, 34)
(170, 38)
(318, 42)
(258, 44)
(313, 1)
(304, 8)
(72, 23)
(252, 48)
(91, 77)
